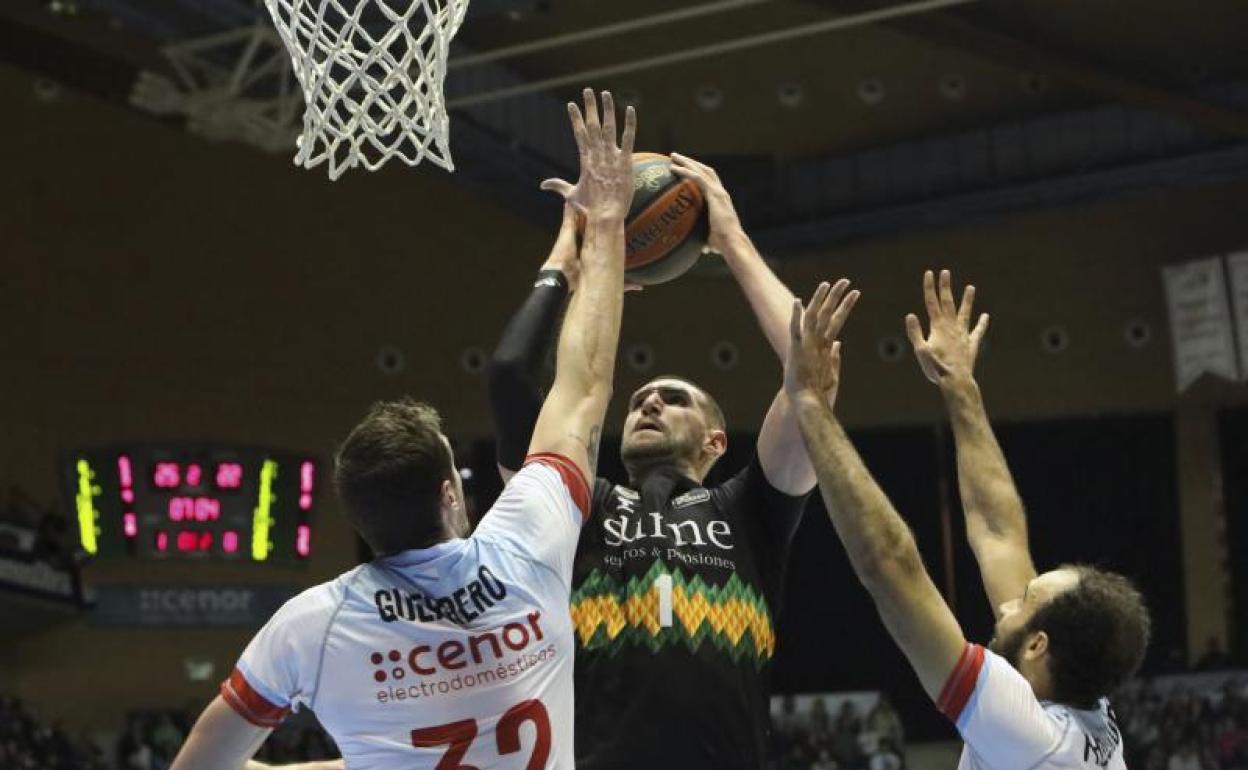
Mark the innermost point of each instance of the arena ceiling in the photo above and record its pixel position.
(905, 116)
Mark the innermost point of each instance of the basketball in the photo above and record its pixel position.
(667, 224)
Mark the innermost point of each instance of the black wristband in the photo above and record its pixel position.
(552, 278)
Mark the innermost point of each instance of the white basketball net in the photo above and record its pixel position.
(372, 74)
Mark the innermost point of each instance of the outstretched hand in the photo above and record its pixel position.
(951, 346)
(605, 186)
(812, 368)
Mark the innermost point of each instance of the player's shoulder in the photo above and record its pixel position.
(608, 494)
(549, 470)
(547, 482)
(320, 600)
(736, 487)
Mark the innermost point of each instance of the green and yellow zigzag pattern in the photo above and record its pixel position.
(734, 617)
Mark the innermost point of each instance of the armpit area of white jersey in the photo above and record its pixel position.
(280, 669)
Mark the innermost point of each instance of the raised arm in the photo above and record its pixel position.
(220, 740)
(781, 452)
(880, 546)
(996, 523)
(769, 298)
(570, 423)
(515, 366)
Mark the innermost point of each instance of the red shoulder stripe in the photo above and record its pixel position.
(961, 683)
(249, 704)
(572, 477)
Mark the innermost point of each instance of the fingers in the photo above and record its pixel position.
(946, 294)
(929, 295)
(835, 357)
(842, 313)
(608, 118)
(828, 307)
(977, 334)
(630, 130)
(688, 172)
(691, 174)
(914, 330)
(968, 303)
(810, 323)
(559, 186)
(579, 131)
(632, 287)
(593, 126)
(596, 129)
(705, 170)
(795, 323)
(700, 173)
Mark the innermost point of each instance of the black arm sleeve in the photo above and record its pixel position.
(515, 396)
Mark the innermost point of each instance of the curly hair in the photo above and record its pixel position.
(389, 473)
(1098, 633)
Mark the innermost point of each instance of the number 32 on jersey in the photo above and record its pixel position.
(458, 737)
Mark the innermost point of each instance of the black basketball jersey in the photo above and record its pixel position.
(674, 591)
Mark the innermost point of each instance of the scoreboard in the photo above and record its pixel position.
(180, 501)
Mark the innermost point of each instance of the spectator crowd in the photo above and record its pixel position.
(1194, 721)
(814, 739)
(152, 739)
(1185, 723)
(26, 743)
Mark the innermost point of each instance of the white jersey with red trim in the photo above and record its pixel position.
(1006, 728)
(460, 654)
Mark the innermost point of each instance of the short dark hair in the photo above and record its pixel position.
(710, 407)
(389, 473)
(1098, 633)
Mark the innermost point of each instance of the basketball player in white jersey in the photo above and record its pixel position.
(1064, 640)
(449, 650)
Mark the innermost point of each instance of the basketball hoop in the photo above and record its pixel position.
(372, 74)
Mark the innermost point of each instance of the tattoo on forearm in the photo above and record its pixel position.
(595, 437)
(591, 443)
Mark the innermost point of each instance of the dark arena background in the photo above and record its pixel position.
(189, 324)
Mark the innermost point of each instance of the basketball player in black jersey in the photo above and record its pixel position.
(675, 584)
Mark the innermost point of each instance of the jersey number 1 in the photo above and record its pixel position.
(459, 736)
(663, 584)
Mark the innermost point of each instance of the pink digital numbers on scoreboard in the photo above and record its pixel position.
(194, 509)
(229, 476)
(167, 476)
(194, 541)
(125, 480)
(307, 472)
(178, 501)
(303, 541)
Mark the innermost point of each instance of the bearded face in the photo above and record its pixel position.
(1009, 645)
(1014, 621)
